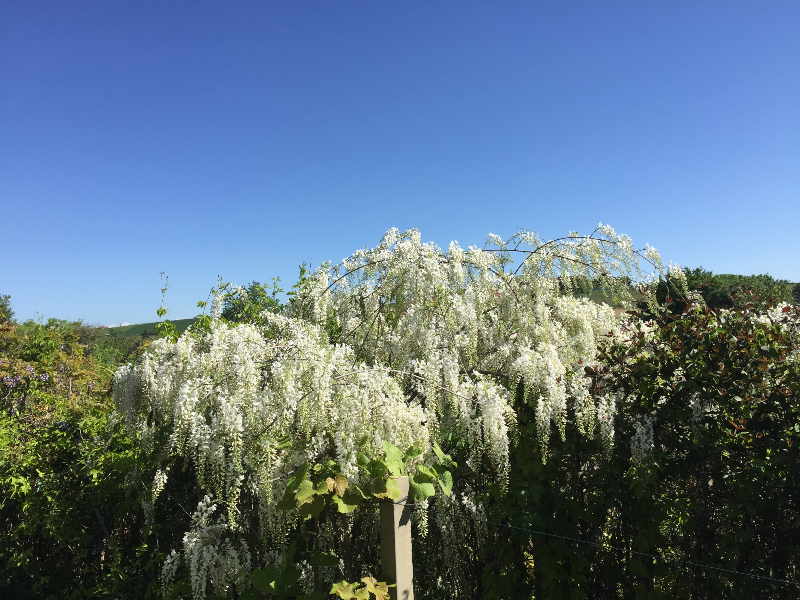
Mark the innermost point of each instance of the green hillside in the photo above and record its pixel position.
(146, 328)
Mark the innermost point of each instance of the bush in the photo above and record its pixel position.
(6, 314)
(404, 344)
(705, 468)
(69, 526)
(729, 291)
(244, 455)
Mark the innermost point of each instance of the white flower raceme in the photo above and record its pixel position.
(396, 343)
(212, 553)
(606, 409)
(642, 440)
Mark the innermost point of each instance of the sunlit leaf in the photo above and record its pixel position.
(312, 508)
(411, 453)
(420, 487)
(304, 491)
(393, 453)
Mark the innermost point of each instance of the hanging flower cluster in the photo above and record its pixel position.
(394, 344)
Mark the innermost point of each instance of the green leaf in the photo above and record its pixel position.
(377, 469)
(305, 490)
(348, 502)
(313, 508)
(446, 482)
(412, 452)
(357, 490)
(392, 489)
(396, 468)
(287, 502)
(387, 488)
(290, 575)
(343, 589)
(393, 453)
(444, 459)
(438, 452)
(298, 477)
(362, 460)
(420, 487)
(264, 579)
(289, 558)
(426, 471)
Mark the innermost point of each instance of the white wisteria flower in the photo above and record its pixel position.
(393, 344)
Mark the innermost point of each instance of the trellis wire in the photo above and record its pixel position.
(606, 546)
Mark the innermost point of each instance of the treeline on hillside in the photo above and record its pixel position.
(703, 470)
(728, 291)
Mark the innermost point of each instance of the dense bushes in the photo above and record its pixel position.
(728, 291)
(397, 344)
(69, 526)
(704, 469)
(675, 434)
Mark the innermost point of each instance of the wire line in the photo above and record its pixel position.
(606, 546)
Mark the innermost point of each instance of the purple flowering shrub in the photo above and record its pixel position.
(38, 360)
(69, 527)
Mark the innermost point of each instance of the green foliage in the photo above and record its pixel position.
(313, 489)
(728, 291)
(69, 525)
(69, 530)
(166, 328)
(245, 304)
(270, 582)
(720, 486)
(6, 314)
(324, 499)
(368, 587)
(48, 358)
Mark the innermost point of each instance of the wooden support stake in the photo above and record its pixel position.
(396, 544)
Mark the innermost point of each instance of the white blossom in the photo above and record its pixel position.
(395, 343)
(642, 440)
(606, 411)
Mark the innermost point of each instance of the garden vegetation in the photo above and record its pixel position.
(554, 449)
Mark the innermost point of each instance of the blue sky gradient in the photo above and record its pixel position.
(240, 139)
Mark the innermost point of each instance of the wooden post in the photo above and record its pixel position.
(396, 544)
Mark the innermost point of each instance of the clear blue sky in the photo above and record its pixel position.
(242, 138)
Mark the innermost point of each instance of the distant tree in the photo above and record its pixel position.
(729, 291)
(246, 304)
(6, 314)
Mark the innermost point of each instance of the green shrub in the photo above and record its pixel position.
(6, 314)
(728, 291)
(704, 468)
(68, 527)
(713, 479)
